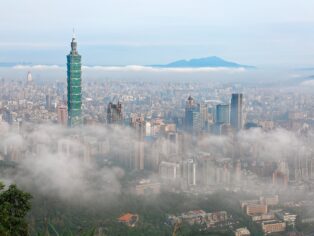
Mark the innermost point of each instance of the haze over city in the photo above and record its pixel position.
(156, 118)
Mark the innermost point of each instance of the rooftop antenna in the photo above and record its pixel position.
(73, 43)
(73, 34)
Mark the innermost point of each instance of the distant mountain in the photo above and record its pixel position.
(311, 77)
(203, 62)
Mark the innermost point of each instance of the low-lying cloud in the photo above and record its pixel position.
(57, 161)
(136, 68)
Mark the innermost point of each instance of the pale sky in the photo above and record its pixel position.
(121, 32)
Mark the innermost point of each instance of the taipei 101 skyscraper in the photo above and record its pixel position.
(74, 73)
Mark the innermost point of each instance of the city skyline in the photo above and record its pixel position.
(201, 112)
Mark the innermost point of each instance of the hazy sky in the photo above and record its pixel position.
(117, 32)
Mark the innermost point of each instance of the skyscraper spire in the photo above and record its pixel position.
(74, 44)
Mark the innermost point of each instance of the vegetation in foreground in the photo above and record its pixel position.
(49, 215)
(14, 205)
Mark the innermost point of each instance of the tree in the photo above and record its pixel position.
(14, 205)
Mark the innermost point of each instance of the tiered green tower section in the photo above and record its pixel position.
(74, 73)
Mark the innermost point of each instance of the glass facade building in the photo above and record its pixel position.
(193, 119)
(74, 88)
(222, 114)
(236, 116)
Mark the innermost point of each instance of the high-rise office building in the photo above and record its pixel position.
(74, 86)
(189, 172)
(193, 120)
(7, 116)
(114, 113)
(222, 114)
(48, 102)
(236, 115)
(203, 109)
(62, 113)
(138, 123)
(222, 120)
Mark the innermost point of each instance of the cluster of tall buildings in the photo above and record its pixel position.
(228, 118)
(196, 114)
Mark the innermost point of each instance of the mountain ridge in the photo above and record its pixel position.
(211, 61)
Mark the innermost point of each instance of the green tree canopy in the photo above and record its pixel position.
(14, 205)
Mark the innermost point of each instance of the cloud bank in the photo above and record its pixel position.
(133, 68)
(55, 161)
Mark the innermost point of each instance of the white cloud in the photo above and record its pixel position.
(138, 68)
(36, 67)
(134, 68)
(30, 45)
(308, 83)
